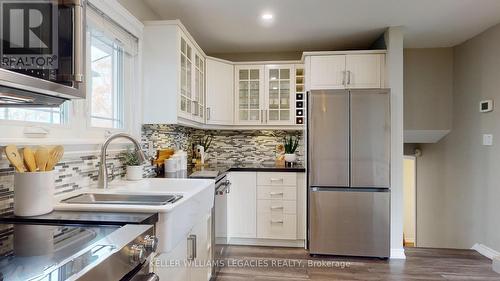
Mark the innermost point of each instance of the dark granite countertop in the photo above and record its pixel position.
(84, 218)
(223, 168)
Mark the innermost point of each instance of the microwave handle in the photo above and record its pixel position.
(78, 41)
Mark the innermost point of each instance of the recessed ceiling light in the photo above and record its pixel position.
(267, 16)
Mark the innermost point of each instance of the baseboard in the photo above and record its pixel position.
(398, 254)
(486, 251)
(267, 242)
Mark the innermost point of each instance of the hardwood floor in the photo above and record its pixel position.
(249, 264)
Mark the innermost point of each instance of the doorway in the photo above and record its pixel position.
(410, 201)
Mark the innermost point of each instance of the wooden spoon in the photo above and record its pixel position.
(29, 159)
(15, 158)
(42, 157)
(55, 156)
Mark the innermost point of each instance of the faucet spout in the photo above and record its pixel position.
(103, 170)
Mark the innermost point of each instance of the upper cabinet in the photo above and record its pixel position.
(265, 94)
(345, 71)
(279, 94)
(174, 75)
(220, 92)
(249, 89)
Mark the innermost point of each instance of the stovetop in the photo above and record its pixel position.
(49, 252)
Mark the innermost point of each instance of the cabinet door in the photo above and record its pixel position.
(327, 72)
(186, 101)
(279, 98)
(199, 241)
(364, 71)
(220, 92)
(249, 94)
(242, 205)
(199, 88)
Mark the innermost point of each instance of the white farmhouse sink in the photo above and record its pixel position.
(175, 219)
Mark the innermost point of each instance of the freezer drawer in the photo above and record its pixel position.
(349, 222)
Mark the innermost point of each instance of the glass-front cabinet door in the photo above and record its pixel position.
(249, 94)
(279, 104)
(199, 88)
(186, 99)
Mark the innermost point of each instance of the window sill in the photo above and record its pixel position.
(55, 141)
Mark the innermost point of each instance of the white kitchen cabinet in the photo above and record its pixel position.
(220, 92)
(327, 72)
(191, 257)
(249, 91)
(199, 251)
(345, 71)
(364, 71)
(270, 206)
(279, 94)
(174, 75)
(242, 205)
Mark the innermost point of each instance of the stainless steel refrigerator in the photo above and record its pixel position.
(348, 159)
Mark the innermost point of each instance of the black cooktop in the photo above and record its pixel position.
(48, 252)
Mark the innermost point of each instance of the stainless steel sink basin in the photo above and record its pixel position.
(122, 199)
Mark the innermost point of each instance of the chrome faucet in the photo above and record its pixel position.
(103, 170)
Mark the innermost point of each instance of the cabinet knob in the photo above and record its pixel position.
(150, 242)
(137, 254)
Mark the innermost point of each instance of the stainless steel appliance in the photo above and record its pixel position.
(43, 54)
(69, 252)
(348, 150)
(219, 227)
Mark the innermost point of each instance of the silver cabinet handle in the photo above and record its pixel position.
(276, 193)
(277, 208)
(343, 77)
(348, 77)
(191, 247)
(277, 221)
(275, 179)
(78, 41)
(208, 113)
(262, 116)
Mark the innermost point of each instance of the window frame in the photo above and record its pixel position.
(75, 131)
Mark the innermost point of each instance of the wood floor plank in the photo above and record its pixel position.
(294, 264)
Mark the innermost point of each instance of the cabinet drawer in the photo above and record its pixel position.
(276, 192)
(270, 178)
(276, 226)
(277, 207)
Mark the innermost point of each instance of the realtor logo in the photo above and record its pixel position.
(29, 34)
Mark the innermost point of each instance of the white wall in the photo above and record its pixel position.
(394, 43)
(428, 88)
(139, 9)
(458, 178)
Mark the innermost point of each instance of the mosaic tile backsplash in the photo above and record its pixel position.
(248, 146)
(77, 172)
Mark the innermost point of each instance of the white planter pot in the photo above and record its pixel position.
(290, 158)
(33, 193)
(134, 173)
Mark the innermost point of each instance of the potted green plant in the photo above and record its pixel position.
(133, 165)
(291, 143)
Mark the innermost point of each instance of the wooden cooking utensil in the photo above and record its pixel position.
(54, 157)
(29, 159)
(15, 158)
(42, 157)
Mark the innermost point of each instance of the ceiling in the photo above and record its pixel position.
(235, 26)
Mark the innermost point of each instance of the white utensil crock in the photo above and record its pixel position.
(33, 193)
(134, 173)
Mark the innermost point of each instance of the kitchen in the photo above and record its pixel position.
(196, 141)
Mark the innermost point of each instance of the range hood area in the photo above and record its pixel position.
(11, 97)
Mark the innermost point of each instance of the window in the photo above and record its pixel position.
(106, 82)
(41, 115)
(111, 60)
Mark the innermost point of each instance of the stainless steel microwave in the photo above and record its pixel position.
(42, 52)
